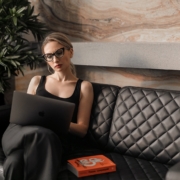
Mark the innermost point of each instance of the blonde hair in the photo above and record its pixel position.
(61, 39)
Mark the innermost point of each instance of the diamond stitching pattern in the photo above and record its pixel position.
(146, 125)
(101, 114)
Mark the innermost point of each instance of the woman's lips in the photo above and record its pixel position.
(58, 66)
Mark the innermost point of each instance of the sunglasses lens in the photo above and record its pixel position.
(59, 53)
(48, 57)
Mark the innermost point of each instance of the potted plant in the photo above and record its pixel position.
(16, 20)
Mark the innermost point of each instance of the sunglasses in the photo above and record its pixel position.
(49, 57)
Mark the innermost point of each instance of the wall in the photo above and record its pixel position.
(117, 20)
(121, 21)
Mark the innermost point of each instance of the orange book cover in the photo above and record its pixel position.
(91, 165)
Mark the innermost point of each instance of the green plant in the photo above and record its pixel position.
(17, 19)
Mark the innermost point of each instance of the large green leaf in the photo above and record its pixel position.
(21, 10)
(16, 19)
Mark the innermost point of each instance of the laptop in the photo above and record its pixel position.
(37, 110)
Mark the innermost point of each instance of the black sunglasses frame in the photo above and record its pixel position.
(53, 54)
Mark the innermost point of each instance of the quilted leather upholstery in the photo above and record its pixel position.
(128, 168)
(146, 124)
(101, 115)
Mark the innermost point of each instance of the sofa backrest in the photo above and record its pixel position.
(101, 115)
(146, 124)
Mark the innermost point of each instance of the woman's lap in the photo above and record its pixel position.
(15, 136)
(40, 146)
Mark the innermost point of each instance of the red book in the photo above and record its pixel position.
(91, 165)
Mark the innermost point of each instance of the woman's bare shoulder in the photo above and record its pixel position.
(86, 87)
(34, 82)
(36, 78)
(86, 84)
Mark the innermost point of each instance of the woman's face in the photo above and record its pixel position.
(58, 60)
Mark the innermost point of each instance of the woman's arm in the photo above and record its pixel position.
(86, 99)
(33, 85)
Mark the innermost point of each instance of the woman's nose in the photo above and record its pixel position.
(55, 59)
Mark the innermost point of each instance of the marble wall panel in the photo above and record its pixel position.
(117, 20)
(162, 79)
(159, 79)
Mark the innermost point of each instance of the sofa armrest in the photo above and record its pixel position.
(5, 111)
(174, 172)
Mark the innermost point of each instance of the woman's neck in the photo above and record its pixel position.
(64, 77)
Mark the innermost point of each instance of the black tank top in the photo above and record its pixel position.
(74, 98)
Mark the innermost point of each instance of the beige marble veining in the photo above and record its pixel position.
(118, 76)
(148, 78)
(104, 20)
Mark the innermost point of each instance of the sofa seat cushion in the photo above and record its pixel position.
(84, 152)
(128, 168)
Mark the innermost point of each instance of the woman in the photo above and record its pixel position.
(34, 152)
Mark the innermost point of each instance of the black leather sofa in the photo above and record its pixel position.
(138, 128)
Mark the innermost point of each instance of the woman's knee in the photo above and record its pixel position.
(39, 132)
(41, 137)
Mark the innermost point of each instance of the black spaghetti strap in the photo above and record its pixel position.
(41, 85)
(78, 88)
(43, 80)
